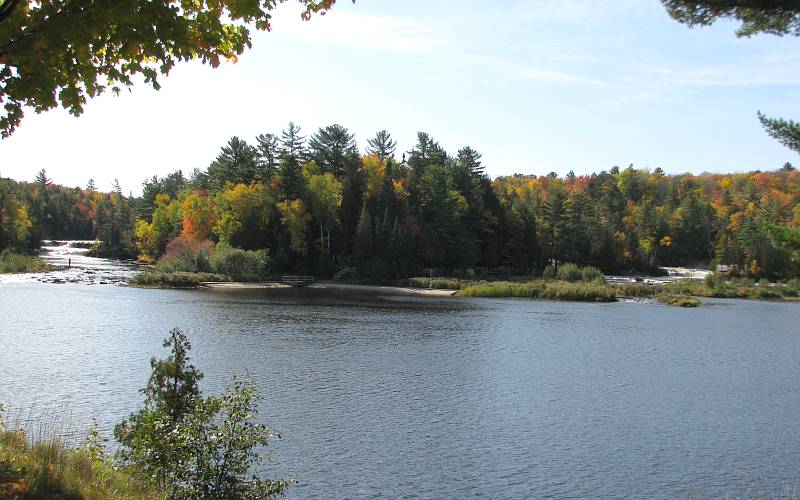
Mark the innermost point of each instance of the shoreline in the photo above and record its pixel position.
(381, 289)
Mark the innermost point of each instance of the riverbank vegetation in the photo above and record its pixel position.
(573, 283)
(177, 279)
(47, 465)
(180, 444)
(542, 289)
(21, 263)
(674, 300)
(317, 205)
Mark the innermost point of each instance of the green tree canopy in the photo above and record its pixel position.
(382, 145)
(777, 17)
(62, 52)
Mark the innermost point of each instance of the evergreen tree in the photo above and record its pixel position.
(364, 241)
(292, 156)
(237, 163)
(269, 155)
(333, 148)
(382, 145)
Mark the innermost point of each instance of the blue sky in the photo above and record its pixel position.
(536, 86)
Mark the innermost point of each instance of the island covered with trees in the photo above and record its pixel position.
(290, 204)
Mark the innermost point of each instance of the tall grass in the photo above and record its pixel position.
(47, 463)
(437, 283)
(542, 289)
(20, 263)
(674, 300)
(158, 279)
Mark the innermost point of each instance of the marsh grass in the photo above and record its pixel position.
(436, 283)
(43, 459)
(158, 279)
(543, 289)
(19, 263)
(674, 300)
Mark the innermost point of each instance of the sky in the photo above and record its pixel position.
(536, 86)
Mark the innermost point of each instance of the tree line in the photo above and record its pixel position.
(318, 203)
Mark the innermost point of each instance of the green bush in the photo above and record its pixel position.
(678, 300)
(185, 255)
(591, 273)
(158, 279)
(549, 272)
(240, 265)
(20, 263)
(569, 272)
(194, 446)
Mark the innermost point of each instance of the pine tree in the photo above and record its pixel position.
(382, 145)
(333, 148)
(269, 154)
(236, 163)
(292, 154)
(363, 246)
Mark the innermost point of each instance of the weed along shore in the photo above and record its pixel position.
(569, 284)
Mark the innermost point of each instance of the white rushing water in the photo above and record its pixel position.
(673, 274)
(71, 265)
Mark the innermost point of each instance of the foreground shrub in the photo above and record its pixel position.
(240, 265)
(194, 446)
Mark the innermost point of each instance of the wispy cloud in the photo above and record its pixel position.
(776, 69)
(436, 41)
(364, 31)
(575, 10)
(520, 71)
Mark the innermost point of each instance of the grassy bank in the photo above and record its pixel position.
(20, 263)
(158, 279)
(542, 289)
(674, 300)
(53, 469)
(585, 285)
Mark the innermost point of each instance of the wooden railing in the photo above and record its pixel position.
(297, 280)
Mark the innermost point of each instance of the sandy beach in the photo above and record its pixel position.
(382, 290)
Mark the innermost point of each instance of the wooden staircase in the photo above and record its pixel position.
(343, 273)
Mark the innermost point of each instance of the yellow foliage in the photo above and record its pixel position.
(373, 169)
(400, 188)
(296, 219)
(199, 215)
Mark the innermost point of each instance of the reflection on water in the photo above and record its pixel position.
(388, 397)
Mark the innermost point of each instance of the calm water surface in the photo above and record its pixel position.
(395, 397)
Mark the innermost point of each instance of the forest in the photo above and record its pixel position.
(316, 204)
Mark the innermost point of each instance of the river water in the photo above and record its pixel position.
(379, 396)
